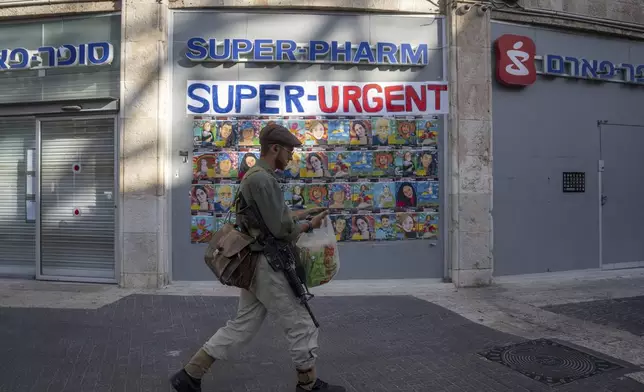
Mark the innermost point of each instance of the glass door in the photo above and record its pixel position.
(76, 217)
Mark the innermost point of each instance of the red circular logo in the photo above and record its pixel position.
(77, 212)
(76, 168)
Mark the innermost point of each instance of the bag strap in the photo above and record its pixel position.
(253, 209)
(253, 206)
(230, 211)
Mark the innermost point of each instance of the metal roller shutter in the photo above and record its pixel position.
(77, 199)
(17, 233)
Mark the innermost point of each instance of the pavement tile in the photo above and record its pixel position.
(621, 313)
(368, 344)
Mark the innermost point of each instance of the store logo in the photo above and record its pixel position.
(515, 60)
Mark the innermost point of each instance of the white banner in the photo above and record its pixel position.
(231, 98)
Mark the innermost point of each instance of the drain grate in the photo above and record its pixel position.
(549, 362)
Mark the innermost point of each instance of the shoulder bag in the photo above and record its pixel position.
(229, 255)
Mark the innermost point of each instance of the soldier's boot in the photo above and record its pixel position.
(182, 382)
(308, 381)
(188, 379)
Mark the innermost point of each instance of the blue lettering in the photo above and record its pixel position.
(240, 95)
(386, 52)
(212, 50)
(241, 46)
(263, 53)
(318, 48)
(82, 55)
(197, 49)
(554, 64)
(409, 56)
(589, 68)
(106, 53)
(205, 106)
(629, 72)
(19, 58)
(336, 52)
(574, 65)
(4, 54)
(606, 70)
(640, 73)
(286, 47)
(51, 55)
(67, 56)
(265, 96)
(215, 100)
(292, 95)
(364, 53)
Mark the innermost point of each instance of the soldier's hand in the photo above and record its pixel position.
(301, 214)
(315, 210)
(317, 220)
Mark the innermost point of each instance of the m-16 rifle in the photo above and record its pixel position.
(283, 256)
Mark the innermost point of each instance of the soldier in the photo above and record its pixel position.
(270, 291)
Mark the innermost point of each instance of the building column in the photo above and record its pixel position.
(143, 145)
(470, 145)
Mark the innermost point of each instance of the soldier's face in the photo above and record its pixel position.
(284, 156)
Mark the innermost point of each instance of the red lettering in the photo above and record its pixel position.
(437, 88)
(412, 95)
(351, 94)
(390, 98)
(376, 100)
(335, 99)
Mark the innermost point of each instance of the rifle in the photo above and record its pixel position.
(282, 256)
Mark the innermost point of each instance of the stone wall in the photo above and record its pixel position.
(630, 11)
(22, 9)
(623, 18)
(469, 214)
(143, 119)
(417, 6)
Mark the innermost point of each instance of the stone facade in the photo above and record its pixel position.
(469, 214)
(628, 11)
(143, 119)
(144, 235)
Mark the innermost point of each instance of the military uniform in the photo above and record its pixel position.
(269, 292)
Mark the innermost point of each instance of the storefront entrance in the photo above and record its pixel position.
(58, 197)
(622, 192)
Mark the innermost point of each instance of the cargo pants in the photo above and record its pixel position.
(270, 292)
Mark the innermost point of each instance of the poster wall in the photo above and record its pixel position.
(379, 175)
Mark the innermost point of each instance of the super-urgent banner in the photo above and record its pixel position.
(221, 98)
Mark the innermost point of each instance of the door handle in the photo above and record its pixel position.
(604, 198)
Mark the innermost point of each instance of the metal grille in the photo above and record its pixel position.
(77, 208)
(17, 235)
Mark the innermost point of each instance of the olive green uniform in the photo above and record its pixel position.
(270, 292)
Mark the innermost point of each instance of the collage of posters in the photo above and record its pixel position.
(379, 176)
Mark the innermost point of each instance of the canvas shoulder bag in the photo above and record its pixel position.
(229, 255)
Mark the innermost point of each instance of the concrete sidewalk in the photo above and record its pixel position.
(98, 333)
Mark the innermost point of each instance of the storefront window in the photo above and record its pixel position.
(60, 59)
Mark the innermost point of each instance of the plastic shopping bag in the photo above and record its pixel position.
(319, 254)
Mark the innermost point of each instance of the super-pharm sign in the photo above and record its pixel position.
(315, 98)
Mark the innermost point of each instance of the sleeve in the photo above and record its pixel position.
(274, 211)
